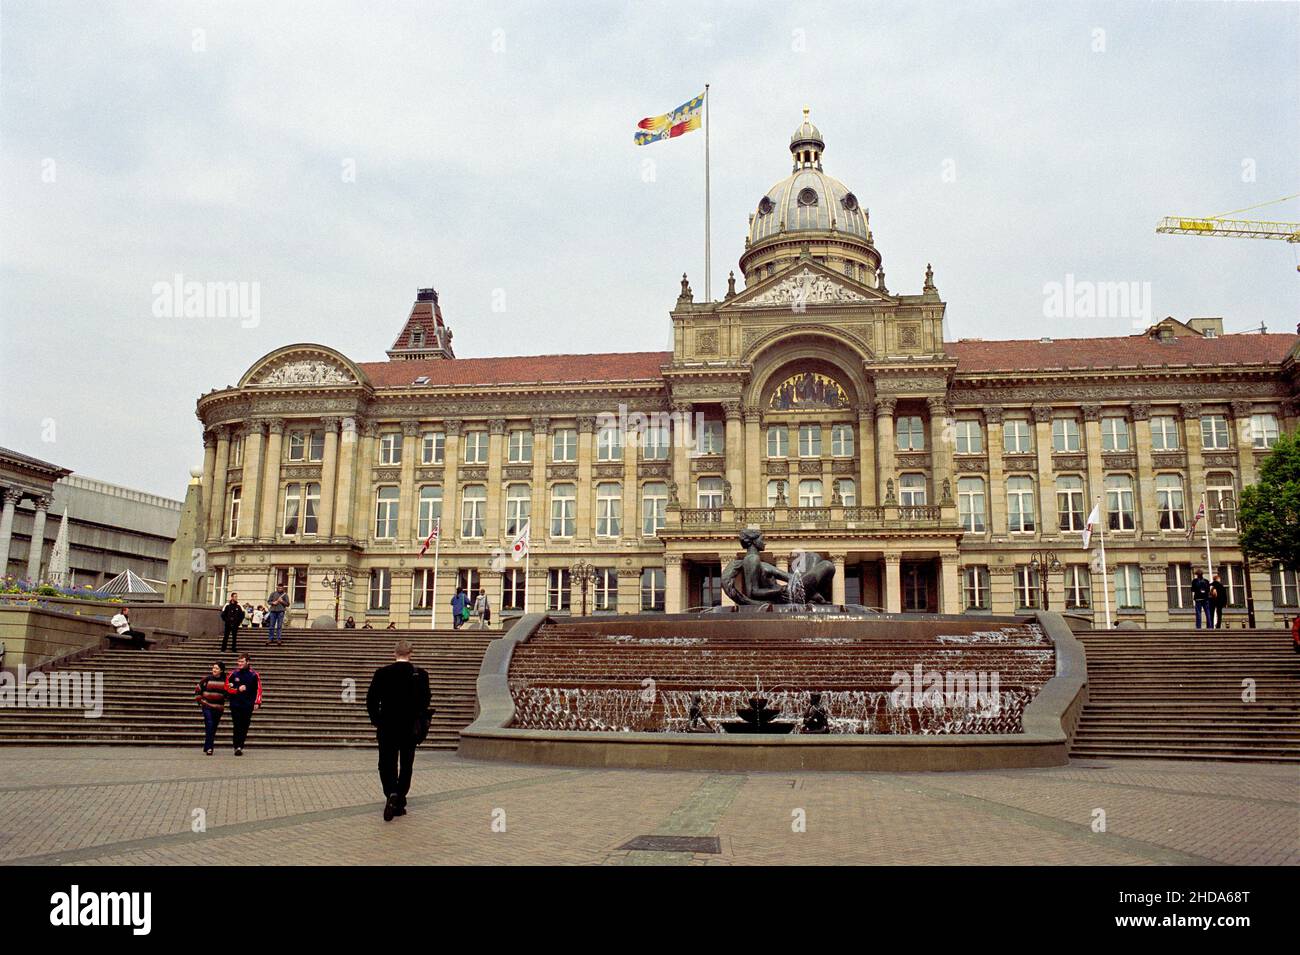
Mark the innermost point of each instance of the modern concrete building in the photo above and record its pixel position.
(110, 528)
(812, 402)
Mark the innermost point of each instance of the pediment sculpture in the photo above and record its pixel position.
(307, 372)
(806, 288)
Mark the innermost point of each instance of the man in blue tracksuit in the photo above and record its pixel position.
(1201, 598)
(458, 603)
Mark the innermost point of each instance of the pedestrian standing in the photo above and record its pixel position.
(276, 605)
(232, 615)
(458, 608)
(211, 697)
(482, 609)
(1219, 597)
(259, 616)
(398, 705)
(245, 689)
(1201, 599)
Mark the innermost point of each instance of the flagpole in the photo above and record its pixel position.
(1209, 562)
(1105, 574)
(433, 600)
(708, 263)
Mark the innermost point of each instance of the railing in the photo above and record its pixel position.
(922, 516)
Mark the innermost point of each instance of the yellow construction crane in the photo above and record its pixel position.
(1221, 225)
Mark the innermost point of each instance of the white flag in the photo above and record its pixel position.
(1093, 520)
(519, 548)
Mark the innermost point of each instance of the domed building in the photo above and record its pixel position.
(812, 402)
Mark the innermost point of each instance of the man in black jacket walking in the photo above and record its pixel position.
(398, 704)
(232, 615)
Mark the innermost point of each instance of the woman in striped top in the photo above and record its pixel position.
(210, 694)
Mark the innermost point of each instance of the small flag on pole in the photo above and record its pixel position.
(433, 536)
(683, 119)
(1093, 520)
(1191, 529)
(519, 547)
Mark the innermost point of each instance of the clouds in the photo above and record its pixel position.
(342, 155)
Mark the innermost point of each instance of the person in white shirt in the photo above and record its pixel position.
(482, 611)
(121, 622)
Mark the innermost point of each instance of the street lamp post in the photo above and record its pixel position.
(337, 581)
(584, 572)
(1044, 563)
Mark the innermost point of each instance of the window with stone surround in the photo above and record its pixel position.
(381, 588)
(433, 445)
(1119, 503)
(975, 587)
(519, 446)
(842, 440)
(712, 438)
(609, 509)
(1220, 500)
(1286, 586)
(1263, 431)
(513, 588)
(1214, 432)
(1078, 587)
(848, 490)
(232, 511)
(1178, 586)
(386, 504)
(911, 490)
(1065, 434)
(559, 590)
(1169, 502)
(1115, 434)
(476, 446)
(422, 595)
(774, 490)
(564, 445)
(519, 505)
(1164, 433)
(1128, 587)
(390, 447)
(810, 493)
(652, 589)
(656, 442)
(968, 436)
(654, 507)
(970, 504)
(609, 443)
(564, 510)
(605, 590)
(909, 433)
(778, 441)
(1020, 505)
(473, 510)
(709, 493)
(810, 441)
(1069, 502)
(1017, 436)
(430, 510)
(1026, 587)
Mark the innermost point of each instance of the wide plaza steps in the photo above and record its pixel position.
(1177, 694)
(149, 695)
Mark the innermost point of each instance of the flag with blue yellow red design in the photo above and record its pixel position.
(683, 119)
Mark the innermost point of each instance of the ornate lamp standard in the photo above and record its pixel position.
(1044, 564)
(583, 572)
(337, 581)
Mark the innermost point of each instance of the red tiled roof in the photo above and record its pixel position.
(1125, 351)
(524, 369)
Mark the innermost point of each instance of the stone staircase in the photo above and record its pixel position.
(1165, 694)
(149, 696)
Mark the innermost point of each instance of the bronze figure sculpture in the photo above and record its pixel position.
(809, 580)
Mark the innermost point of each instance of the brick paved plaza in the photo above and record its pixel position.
(110, 806)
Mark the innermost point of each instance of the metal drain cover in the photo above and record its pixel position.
(707, 844)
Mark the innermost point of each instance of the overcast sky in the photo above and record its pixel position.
(342, 155)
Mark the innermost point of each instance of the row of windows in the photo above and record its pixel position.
(1126, 585)
(1260, 431)
(602, 593)
(1072, 509)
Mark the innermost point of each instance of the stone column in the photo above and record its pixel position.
(451, 503)
(540, 526)
(363, 495)
(271, 480)
(347, 469)
(251, 505)
(755, 493)
(1092, 435)
(997, 491)
(1146, 480)
(38, 540)
(1191, 411)
(217, 491)
(9, 497)
(631, 516)
(867, 495)
(682, 455)
(885, 468)
(1047, 524)
(949, 584)
(586, 490)
(837, 584)
(735, 452)
(1241, 412)
(329, 466)
(673, 589)
(406, 503)
(209, 475)
(893, 584)
(941, 437)
(495, 526)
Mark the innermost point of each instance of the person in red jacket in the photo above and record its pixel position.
(1295, 633)
(210, 694)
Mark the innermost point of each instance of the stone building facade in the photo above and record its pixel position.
(812, 402)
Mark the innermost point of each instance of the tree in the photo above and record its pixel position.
(1269, 517)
